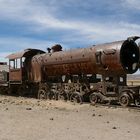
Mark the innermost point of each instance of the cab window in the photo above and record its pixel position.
(15, 63)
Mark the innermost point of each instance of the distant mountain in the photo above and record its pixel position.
(133, 77)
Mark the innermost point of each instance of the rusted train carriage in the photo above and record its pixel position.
(4, 76)
(73, 74)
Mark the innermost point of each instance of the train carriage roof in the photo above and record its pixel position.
(25, 53)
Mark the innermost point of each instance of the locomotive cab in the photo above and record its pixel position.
(19, 65)
(16, 68)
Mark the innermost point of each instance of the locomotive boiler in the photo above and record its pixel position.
(119, 57)
(97, 73)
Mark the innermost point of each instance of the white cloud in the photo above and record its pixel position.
(133, 4)
(40, 15)
(13, 44)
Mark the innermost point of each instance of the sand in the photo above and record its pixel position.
(32, 119)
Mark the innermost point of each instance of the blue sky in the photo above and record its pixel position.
(71, 23)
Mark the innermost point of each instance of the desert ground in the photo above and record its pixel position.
(32, 119)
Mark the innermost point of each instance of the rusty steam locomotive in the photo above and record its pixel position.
(97, 73)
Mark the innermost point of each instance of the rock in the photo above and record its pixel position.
(114, 127)
(51, 119)
(56, 107)
(93, 115)
(29, 108)
(6, 108)
(12, 102)
(21, 102)
(99, 115)
(107, 122)
(17, 103)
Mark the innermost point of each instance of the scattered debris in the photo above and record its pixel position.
(12, 102)
(6, 108)
(51, 119)
(56, 107)
(93, 115)
(114, 127)
(29, 108)
(21, 102)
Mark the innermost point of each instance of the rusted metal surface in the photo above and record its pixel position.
(56, 48)
(21, 70)
(119, 57)
(15, 75)
(25, 53)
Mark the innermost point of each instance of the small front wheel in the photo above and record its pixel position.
(93, 98)
(124, 100)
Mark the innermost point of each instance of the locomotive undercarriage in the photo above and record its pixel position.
(25, 89)
(74, 92)
(79, 89)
